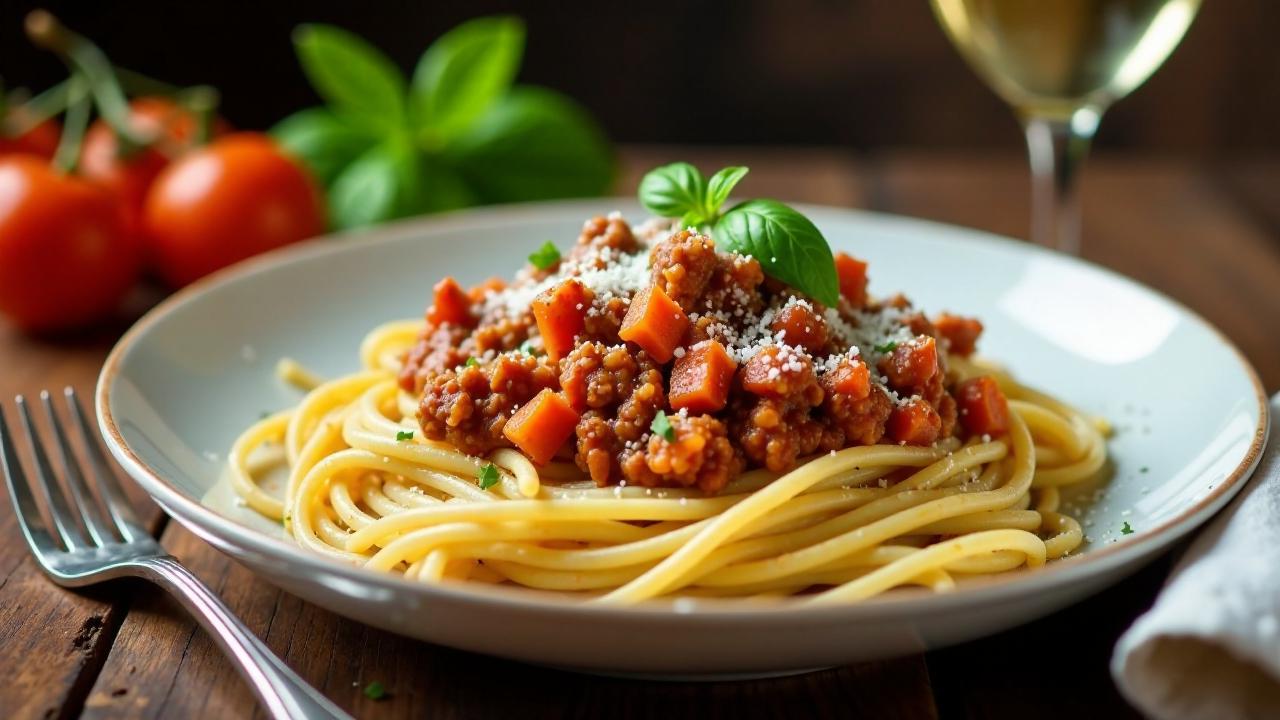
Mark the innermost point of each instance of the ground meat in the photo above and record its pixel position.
(857, 420)
(468, 406)
(438, 348)
(682, 265)
(734, 286)
(621, 393)
(597, 376)
(771, 411)
(699, 455)
(603, 232)
(499, 333)
(604, 319)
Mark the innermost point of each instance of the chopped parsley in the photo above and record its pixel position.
(527, 348)
(403, 435)
(887, 347)
(1126, 530)
(375, 691)
(488, 476)
(661, 427)
(546, 256)
(472, 361)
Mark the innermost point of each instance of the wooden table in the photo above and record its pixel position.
(1207, 234)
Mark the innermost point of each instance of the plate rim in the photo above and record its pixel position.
(909, 602)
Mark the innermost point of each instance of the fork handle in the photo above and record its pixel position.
(282, 692)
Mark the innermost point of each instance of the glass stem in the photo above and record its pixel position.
(1057, 147)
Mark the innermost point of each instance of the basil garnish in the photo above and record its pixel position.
(785, 243)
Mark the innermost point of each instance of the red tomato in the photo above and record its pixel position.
(66, 258)
(172, 127)
(237, 197)
(41, 140)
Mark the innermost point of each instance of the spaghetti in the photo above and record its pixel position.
(852, 523)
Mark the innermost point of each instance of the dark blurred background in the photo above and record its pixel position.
(862, 74)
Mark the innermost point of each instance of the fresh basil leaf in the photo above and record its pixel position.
(463, 73)
(546, 256)
(440, 188)
(533, 144)
(382, 184)
(786, 244)
(323, 142)
(355, 78)
(719, 187)
(661, 426)
(675, 190)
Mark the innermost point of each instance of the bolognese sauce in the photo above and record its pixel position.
(587, 351)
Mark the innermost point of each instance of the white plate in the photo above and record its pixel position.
(1189, 411)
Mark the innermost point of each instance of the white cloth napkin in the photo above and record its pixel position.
(1210, 647)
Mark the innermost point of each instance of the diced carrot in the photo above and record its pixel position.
(561, 313)
(477, 293)
(961, 332)
(655, 323)
(984, 410)
(853, 279)
(850, 377)
(911, 364)
(914, 423)
(541, 425)
(800, 326)
(450, 304)
(701, 377)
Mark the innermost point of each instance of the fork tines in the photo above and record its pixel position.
(77, 520)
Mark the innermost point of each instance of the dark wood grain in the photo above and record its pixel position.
(1207, 235)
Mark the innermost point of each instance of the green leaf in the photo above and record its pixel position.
(472, 361)
(403, 435)
(533, 144)
(719, 187)
(324, 142)
(355, 78)
(1126, 529)
(464, 72)
(675, 190)
(786, 244)
(375, 691)
(886, 348)
(661, 427)
(488, 476)
(545, 256)
(380, 185)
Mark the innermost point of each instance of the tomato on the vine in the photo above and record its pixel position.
(234, 198)
(173, 129)
(40, 140)
(66, 258)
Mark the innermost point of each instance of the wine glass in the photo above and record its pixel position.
(1060, 64)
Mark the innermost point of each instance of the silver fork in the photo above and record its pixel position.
(84, 549)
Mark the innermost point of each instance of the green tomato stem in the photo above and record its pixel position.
(84, 57)
(46, 105)
(74, 125)
(202, 102)
(135, 84)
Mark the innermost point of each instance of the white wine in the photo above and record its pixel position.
(1049, 58)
